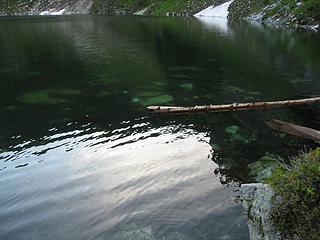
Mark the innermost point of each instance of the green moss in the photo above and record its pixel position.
(296, 205)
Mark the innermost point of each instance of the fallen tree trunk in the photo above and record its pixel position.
(294, 129)
(232, 107)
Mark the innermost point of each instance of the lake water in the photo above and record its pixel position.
(80, 157)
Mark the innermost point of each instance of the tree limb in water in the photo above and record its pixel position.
(233, 107)
(294, 129)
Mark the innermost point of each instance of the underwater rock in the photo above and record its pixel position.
(232, 129)
(234, 90)
(187, 86)
(135, 100)
(40, 97)
(255, 93)
(48, 96)
(67, 91)
(216, 147)
(160, 84)
(157, 100)
(103, 94)
(149, 94)
(236, 136)
(263, 168)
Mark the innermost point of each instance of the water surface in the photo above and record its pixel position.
(80, 158)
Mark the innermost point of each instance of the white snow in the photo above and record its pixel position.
(315, 28)
(58, 12)
(52, 12)
(218, 11)
(44, 13)
(141, 12)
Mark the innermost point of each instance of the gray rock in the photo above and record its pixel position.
(256, 200)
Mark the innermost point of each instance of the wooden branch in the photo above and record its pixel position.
(233, 107)
(294, 129)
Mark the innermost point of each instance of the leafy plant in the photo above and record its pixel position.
(296, 205)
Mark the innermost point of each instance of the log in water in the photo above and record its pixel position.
(233, 106)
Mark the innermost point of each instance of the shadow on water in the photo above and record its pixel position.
(81, 159)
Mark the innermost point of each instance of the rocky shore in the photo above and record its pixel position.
(293, 13)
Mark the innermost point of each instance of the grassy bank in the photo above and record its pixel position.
(296, 205)
(152, 7)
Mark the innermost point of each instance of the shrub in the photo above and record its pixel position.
(296, 202)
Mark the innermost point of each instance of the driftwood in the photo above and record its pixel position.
(232, 107)
(295, 130)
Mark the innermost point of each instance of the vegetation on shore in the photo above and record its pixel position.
(281, 12)
(296, 202)
(284, 12)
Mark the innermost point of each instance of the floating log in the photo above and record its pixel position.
(294, 129)
(233, 107)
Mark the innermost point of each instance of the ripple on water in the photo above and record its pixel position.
(134, 181)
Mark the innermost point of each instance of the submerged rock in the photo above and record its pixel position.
(216, 147)
(257, 201)
(157, 100)
(233, 89)
(236, 136)
(40, 97)
(135, 100)
(187, 86)
(103, 94)
(150, 94)
(53, 96)
(263, 168)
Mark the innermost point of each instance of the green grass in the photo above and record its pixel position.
(296, 205)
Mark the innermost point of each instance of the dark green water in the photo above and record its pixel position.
(80, 158)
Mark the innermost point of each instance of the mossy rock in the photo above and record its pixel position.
(149, 94)
(41, 97)
(263, 168)
(163, 99)
(51, 96)
(237, 136)
(235, 90)
(135, 100)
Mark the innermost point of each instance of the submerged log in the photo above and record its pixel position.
(233, 107)
(294, 129)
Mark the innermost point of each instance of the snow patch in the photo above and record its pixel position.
(315, 28)
(52, 12)
(218, 11)
(141, 12)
